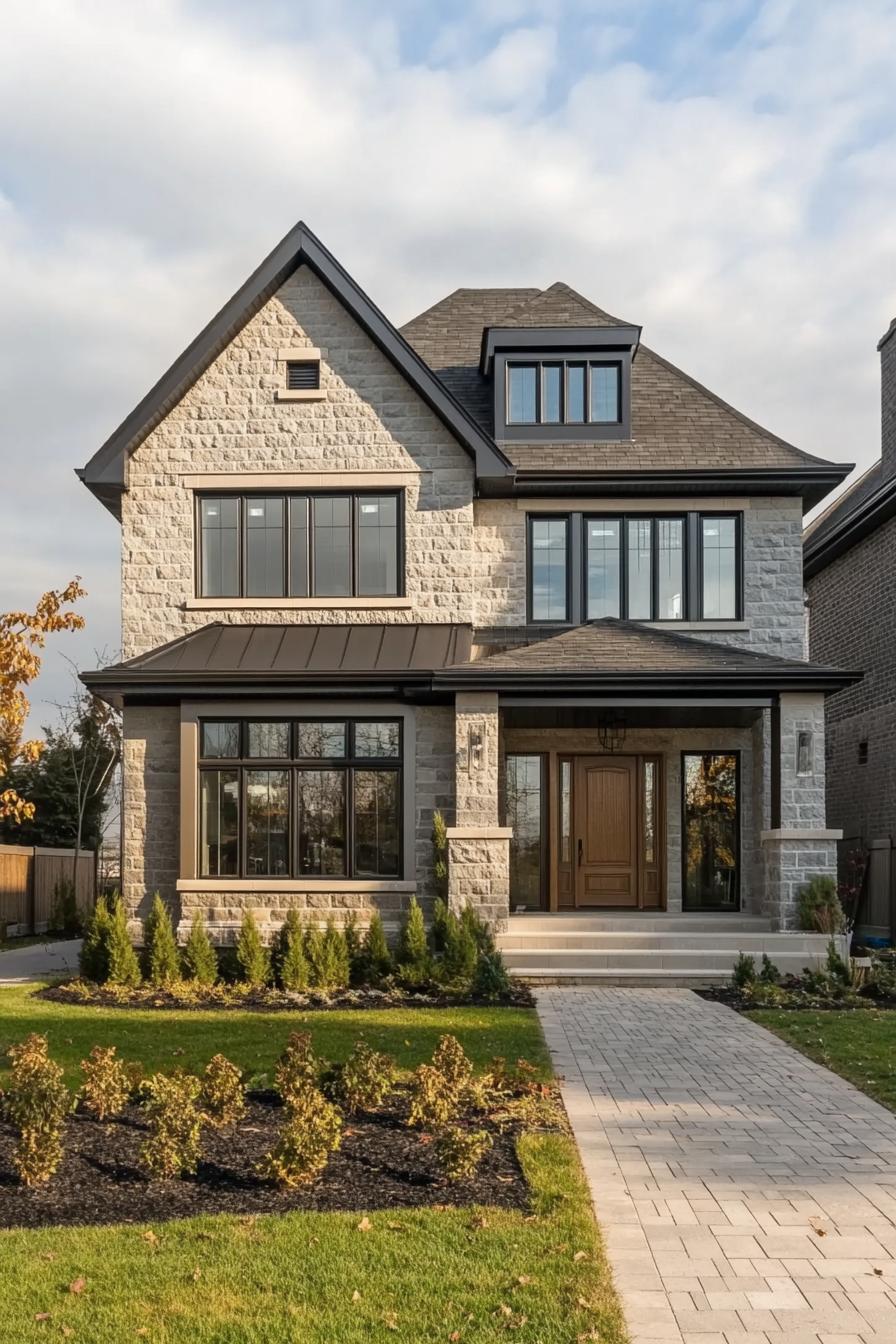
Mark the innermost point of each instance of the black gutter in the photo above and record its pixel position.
(635, 683)
(878, 509)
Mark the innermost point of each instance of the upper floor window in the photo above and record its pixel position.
(564, 392)
(300, 545)
(663, 567)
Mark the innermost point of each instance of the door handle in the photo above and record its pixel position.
(580, 852)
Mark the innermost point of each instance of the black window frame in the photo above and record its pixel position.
(738, 829)
(288, 497)
(692, 564)
(563, 361)
(292, 764)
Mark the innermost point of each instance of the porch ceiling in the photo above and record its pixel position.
(687, 714)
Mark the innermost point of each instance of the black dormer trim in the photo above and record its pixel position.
(555, 339)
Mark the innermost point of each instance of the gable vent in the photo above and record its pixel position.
(303, 375)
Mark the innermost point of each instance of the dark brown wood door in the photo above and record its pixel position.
(606, 831)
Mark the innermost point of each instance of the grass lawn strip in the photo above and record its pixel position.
(860, 1046)
(435, 1273)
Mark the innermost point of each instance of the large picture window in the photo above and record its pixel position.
(711, 830)
(300, 545)
(302, 798)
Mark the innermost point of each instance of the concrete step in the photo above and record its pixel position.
(625, 979)
(807, 944)
(703, 961)
(636, 922)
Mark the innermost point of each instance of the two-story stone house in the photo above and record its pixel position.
(507, 563)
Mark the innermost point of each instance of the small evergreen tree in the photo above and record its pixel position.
(439, 926)
(161, 963)
(377, 957)
(440, 854)
(460, 950)
(335, 957)
(316, 956)
(490, 978)
(124, 968)
(280, 942)
(253, 957)
(200, 960)
(479, 931)
(293, 965)
(354, 946)
(66, 917)
(413, 950)
(94, 959)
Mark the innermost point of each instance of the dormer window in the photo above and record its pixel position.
(564, 392)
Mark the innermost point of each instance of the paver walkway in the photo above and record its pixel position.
(746, 1194)
(39, 961)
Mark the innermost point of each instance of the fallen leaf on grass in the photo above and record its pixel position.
(524, 1279)
(356, 1296)
(579, 1255)
(67, 1332)
(77, 1286)
(589, 1334)
(48, 1255)
(480, 1221)
(454, 1336)
(197, 1274)
(395, 1227)
(390, 1320)
(150, 1238)
(42, 1316)
(365, 1225)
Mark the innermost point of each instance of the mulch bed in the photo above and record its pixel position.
(381, 1165)
(796, 1001)
(274, 1000)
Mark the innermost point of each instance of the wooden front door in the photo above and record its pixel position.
(606, 832)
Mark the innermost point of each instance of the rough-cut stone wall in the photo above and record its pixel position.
(789, 865)
(231, 421)
(802, 796)
(773, 570)
(477, 772)
(479, 876)
(852, 623)
(151, 807)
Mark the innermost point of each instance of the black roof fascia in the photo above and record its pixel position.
(105, 473)
(639, 683)
(555, 338)
(820, 551)
(810, 483)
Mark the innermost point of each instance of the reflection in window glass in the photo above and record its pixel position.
(264, 547)
(670, 565)
(298, 546)
(566, 811)
(523, 795)
(377, 739)
(377, 545)
(267, 823)
(321, 740)
(521, 393)
(377, 826)
(603, 562)
(649, 810)
(332, 546)
(220, 739)
(710, 831)
(267, 740)
(549, 569)
(639, 560)
(219, 529)
(719, 568)
(604, 393)
(552, 378)
(575, 393)
(320, 811)
(219, 823)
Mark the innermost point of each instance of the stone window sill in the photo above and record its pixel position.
(290, 885)
(298, 604)
(301, 394)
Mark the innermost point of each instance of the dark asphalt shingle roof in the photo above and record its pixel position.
(849, 502)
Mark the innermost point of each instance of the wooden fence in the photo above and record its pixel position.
(28, 881)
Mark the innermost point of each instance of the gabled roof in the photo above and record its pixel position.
(866, 505)
(105, 473)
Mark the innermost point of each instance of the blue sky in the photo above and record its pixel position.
(722, 171)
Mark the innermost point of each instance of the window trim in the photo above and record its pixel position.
(738, 564)
(738, 829)
(355, 495)
(573, 431)
(531, 518)
(291, 765)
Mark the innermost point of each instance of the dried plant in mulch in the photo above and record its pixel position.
(191, 995)
(222, 1096)
(365, 1079)
(36, 1104)
(107, 1082)
(175, 1125)
(311, 1131)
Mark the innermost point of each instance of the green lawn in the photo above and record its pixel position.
(859, 1045)
(426, 1275)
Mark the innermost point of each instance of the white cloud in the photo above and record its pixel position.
(733, 193)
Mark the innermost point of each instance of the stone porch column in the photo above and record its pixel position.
(798, 845)
(478, 846)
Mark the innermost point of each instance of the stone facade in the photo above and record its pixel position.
(151, 807)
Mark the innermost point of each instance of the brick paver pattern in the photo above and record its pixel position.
(746, 1195)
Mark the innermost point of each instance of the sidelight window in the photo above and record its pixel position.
(711, 830)
(524, 811)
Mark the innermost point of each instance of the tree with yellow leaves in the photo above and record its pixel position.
(23, 634)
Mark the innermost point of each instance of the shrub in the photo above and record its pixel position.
(458, 1152)
(36, 1104)
(820, 910)
(460, 951)
(94, 959)
(882, 979)
(124, 968)
(768, 971)
(309, 1134)
(837, 968)
(478, 929)
(161, 963)
(452, 1062)
(253, 957)
(376, 955)
(175, 1124)
(744, 972)
(336, 956)
(440, 853)
(316, 956)
(200, 960)
(66, 917)
(107, 1082)
(354, 946)
(490, 979)
(433, 1100)
(223, 1099)
(413, 949)
(439, 928)
(297, 1068)
(365, 1078)
(292, 964)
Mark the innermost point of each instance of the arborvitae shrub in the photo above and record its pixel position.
(478, 929)
(744, 972)
(440, 854)
(161, 963)
(251, 953)
(768, 971)
(107, 1082)
(335, 957)
(439, 928)
(175, 1125)
(458, 1152)
(311, 1131)
(94, 960)
(124, 968)
(316, 956)
(36, 1104)
(223, 1098)
(820, 909)
(433, 1100)
(460, 952)
(200, 960)
(413, 949)
(293, 967)
(365, 1078)
(377, 957)
(298, 1068)
(452, 1063)
(354, 946)
(490, 978)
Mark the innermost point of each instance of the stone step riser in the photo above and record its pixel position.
(636, 924)
(752, 943)
(714, 960)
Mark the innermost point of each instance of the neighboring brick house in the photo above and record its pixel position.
(850, 563)
(506, 562)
